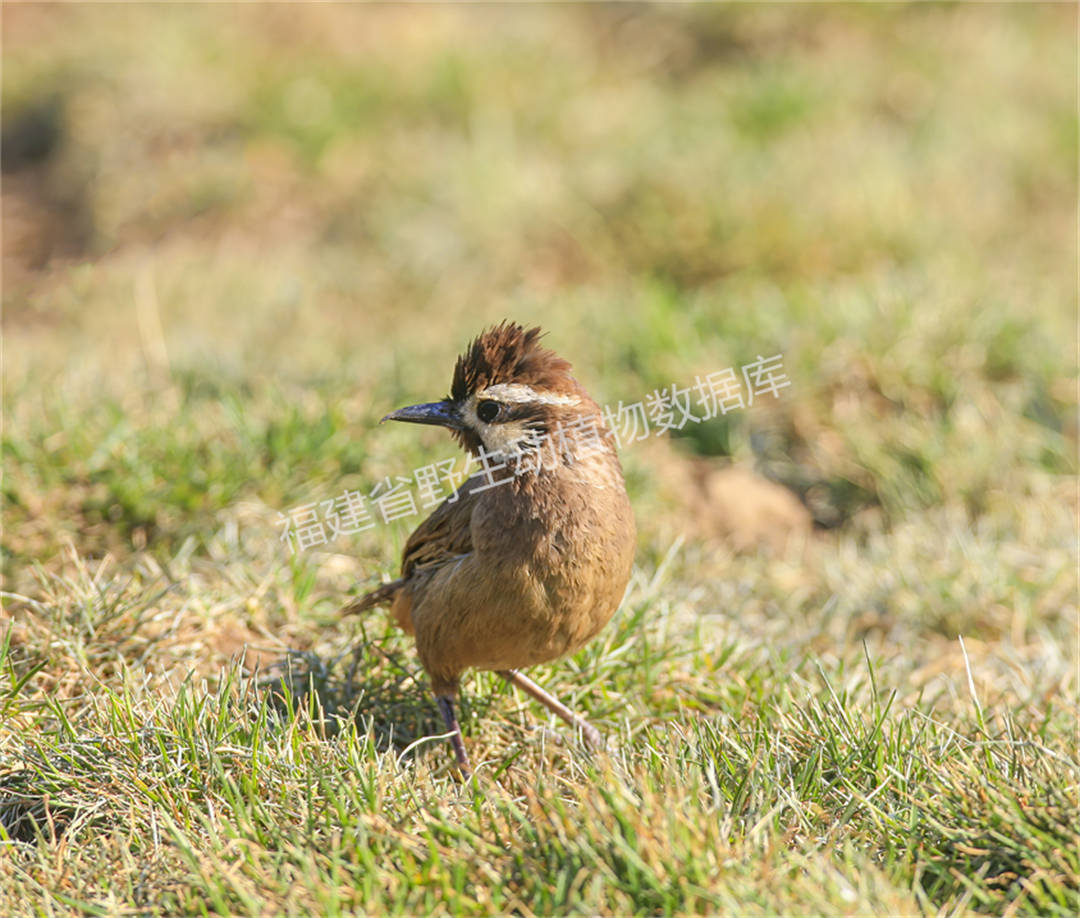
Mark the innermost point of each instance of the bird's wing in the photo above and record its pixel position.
(442, 537)
(445, 535)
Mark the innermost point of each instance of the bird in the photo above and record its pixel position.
(528, 559)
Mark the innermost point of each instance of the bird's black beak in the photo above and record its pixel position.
(444, 414)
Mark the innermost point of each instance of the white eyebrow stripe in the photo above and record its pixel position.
(519, 393)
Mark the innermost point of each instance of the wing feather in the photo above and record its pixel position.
(445, 535)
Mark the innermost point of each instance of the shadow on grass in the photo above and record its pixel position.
(66, 779)
(40, 796)
(382, 690)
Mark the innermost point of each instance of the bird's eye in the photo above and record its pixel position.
(487, 410)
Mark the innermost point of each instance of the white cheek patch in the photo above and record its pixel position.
(507, 439)
(468, 414)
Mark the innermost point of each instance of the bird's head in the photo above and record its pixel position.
(508, 392)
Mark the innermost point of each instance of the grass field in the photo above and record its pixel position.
(235, 236)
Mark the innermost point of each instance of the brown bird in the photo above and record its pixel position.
(530, 557)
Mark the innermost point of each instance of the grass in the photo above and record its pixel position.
(264, 227)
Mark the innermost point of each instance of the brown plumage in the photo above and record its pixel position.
(529, 559)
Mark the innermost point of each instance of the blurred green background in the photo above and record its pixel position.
(235, 236)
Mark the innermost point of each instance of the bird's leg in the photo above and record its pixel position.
(446, 708)
(526, 684)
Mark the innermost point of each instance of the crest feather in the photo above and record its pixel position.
(508, 353)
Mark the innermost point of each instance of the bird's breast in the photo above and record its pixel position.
(549, 565)
(564, 555)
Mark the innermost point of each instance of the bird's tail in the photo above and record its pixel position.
(378, 597)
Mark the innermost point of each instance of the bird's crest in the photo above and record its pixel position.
(508, 353)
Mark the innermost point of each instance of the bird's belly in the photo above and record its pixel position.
(518, 620)
(509, 644)
(548, 617)
(506, 609)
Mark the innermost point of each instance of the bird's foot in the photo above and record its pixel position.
(588, 731)
(446, 708)
(592, 736)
